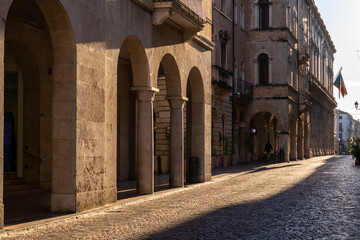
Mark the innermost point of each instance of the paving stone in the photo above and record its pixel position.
(310, 199)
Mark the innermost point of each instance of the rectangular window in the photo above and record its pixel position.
(263, 16)
(340, 127)
(340, 136)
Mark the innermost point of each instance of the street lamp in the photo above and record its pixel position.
(356, 105)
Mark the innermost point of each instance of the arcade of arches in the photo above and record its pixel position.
(93, 107)
(90, 106)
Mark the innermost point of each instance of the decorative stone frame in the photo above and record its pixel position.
(256, 67)
(256, 15)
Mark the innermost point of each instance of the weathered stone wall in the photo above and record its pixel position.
(162, 113)
(81, 79)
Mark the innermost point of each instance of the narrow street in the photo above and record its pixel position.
(310, 199)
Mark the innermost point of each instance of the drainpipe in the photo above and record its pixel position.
(298, 77)
(233, 78)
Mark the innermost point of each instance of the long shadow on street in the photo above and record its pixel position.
(324, 206)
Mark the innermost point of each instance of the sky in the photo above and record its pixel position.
(341, 20)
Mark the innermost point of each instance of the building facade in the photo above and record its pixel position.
(336, 131)
(321, 88)
(289, 59)
(96, 93)
(228, 71)
(86, 86)
(348, 130)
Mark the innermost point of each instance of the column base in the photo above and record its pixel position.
(110, 195)
(63, 203)
(2, 216)
(88, 200)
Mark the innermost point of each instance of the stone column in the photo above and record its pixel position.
(177, 141)
(145, 140)
(236, 143)
(300, 144)
(293, 141)
(2, 68)
(242, 141)
(307, 136)
(300, 147)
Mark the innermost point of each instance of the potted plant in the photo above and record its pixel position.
(355, 151)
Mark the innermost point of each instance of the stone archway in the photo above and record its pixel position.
(38, 34)
(169, 109)
(300, 140)
(126, 140)
(306, 124)
(293, 138)
(195, 124)
(263, 129)
(135, 116)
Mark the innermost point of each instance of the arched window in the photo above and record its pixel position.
(263, 69)
(263, 14)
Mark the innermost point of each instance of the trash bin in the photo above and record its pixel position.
(192, 175)
(282, 155)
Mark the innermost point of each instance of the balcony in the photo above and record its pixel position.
(244, 92)
(222, 79)
(188, 15)
(304, 52)
(305, 103)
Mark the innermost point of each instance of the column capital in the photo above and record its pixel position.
(145, 94)
(177, 102)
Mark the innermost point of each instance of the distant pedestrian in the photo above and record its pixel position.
(268, 149)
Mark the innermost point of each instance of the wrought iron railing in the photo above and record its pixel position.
(244, 89)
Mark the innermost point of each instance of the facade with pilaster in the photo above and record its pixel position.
(228, 86)
(348, 130)
(289, 59)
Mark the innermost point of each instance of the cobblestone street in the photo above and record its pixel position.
(311, 199)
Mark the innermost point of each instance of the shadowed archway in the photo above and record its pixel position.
(40, 77)
(195, 125)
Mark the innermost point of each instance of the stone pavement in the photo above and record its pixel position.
(311, 199)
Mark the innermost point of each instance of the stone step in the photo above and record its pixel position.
(19, 187)
(21, 193)
(18, 181)
(10, 175)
